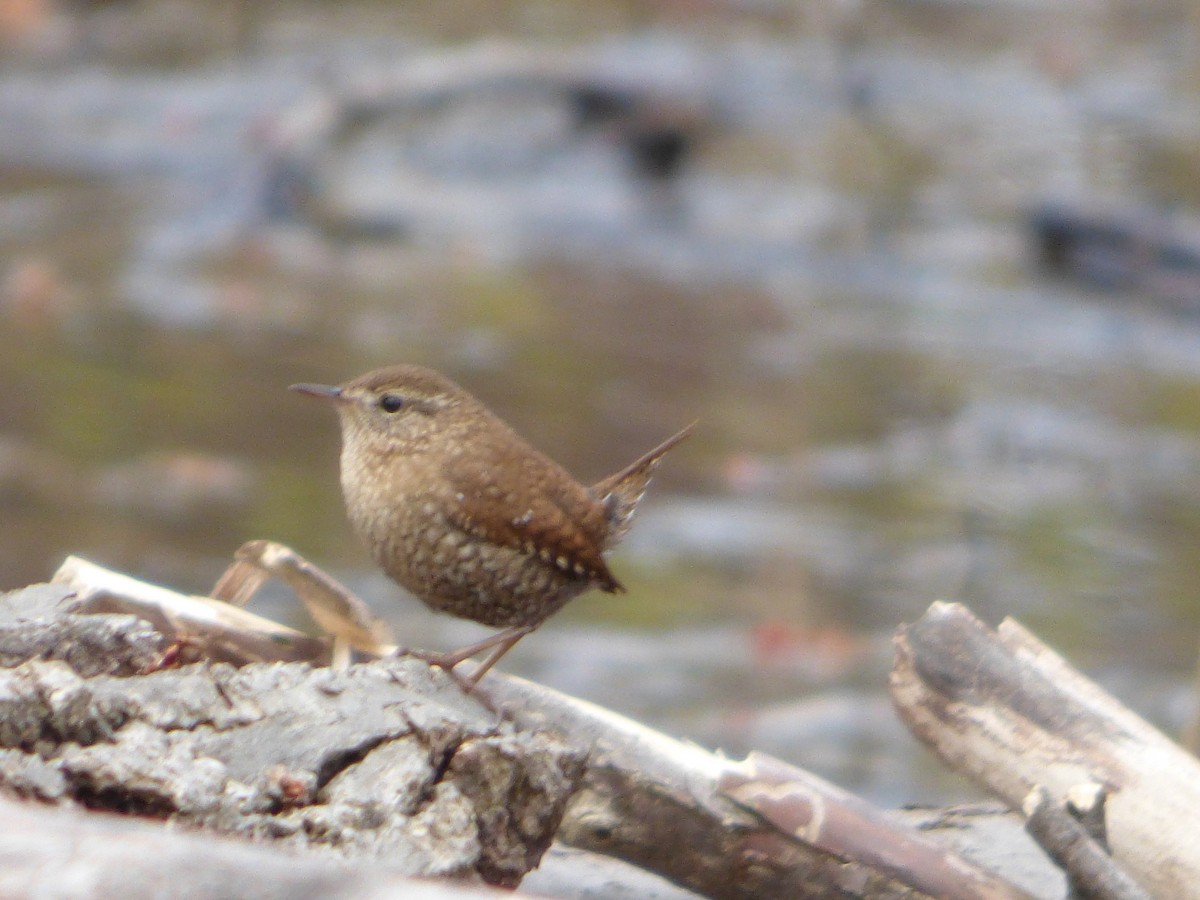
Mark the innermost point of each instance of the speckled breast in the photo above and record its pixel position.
(458, 573)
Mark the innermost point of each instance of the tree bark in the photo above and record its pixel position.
(70, 855)
(387, 760)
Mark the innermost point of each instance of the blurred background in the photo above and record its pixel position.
(927, 271)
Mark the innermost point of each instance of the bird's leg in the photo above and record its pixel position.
(511, 636)
(499, 643)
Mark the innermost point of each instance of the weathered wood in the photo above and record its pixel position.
(388, 759)
(220, 631)
(339, 613)
(69, 854)
(800, 803)
(994, 836)
(385, 760)
(733, 829)
(1006, 710)
(1092, 872)
(724, 828)
(112, 645)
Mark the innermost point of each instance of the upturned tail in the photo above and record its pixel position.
(621, 493)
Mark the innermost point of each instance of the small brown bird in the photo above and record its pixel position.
(466, 515)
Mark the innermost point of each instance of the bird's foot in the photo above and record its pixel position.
(444, 661)
(499, 643)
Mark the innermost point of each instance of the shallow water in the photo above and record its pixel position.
(896, 406)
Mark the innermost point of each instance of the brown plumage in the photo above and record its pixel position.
(466, 515)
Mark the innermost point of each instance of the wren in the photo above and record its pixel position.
(464, 514)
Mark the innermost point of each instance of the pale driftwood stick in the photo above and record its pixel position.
(1006, 710)
(226, 632)
(338, 612)
(727, 829)
(1092, 872)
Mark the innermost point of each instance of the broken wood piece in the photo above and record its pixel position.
(1092, 872)
(239, 582)
(335, 609)
(1007, 711)
(224, 632)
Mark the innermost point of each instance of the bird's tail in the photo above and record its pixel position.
(621, 492)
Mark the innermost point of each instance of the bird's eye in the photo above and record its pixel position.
(391, 403)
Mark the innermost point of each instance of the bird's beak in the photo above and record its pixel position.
(323, 391)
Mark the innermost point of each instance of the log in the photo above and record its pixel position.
(387, 760)
(755, 828)
(722, 828)
(219, 631)
(71, 855)
(1004, 709)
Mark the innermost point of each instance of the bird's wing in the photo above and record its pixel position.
(523, 500)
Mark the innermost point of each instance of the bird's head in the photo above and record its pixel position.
(401, 409)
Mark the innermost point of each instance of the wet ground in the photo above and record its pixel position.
(804, 226)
